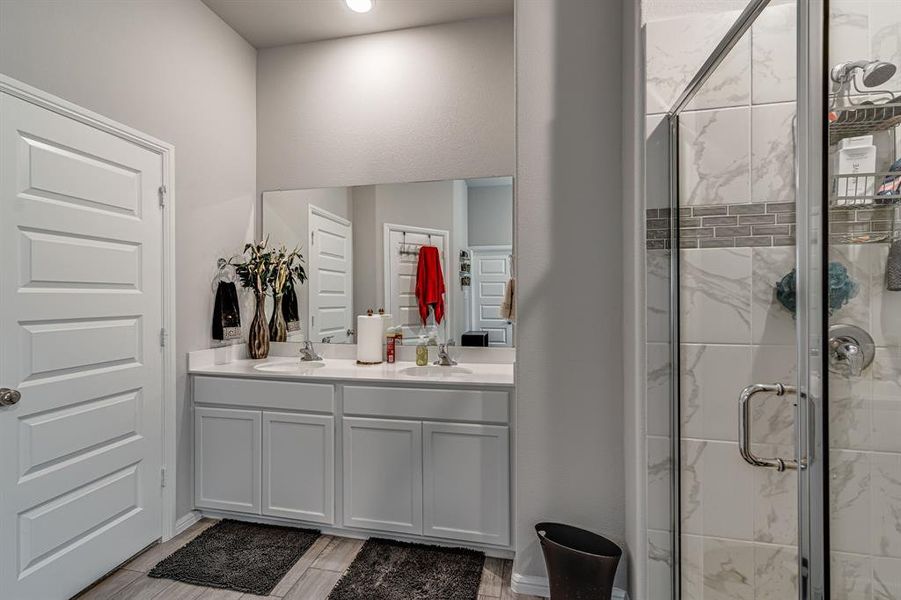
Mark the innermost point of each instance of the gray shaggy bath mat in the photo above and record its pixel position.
(389, 570)
(246, 557)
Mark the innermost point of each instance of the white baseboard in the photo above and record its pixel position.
(538, 586)
(186, 521)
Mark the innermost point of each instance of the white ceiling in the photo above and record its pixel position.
(266, 23)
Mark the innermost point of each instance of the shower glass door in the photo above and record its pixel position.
(736, 211)
(786, 268)
(857, 313)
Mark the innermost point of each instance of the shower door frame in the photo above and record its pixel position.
(812, 323)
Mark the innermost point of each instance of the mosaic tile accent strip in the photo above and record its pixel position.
(767, 224)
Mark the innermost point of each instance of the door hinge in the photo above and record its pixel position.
(163, 192)
(164, 337)
(312, 237)
(162, 476)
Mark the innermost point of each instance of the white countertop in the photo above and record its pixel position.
(345, 370)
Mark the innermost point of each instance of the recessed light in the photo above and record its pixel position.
(359, 6)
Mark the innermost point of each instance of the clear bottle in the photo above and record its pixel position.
(422, 352)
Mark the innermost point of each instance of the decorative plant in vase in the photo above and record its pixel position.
(286, 267)
(256, 273)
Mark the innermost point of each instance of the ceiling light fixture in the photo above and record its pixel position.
(359, 6)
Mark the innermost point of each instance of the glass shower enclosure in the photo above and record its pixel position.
(779, 255)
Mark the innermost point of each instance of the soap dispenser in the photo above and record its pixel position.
(422, 351)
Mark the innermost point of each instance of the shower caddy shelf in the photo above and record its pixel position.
(853, 121)
(860, 190)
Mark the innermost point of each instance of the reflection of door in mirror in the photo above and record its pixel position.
(330, 278)
(491, 269)
(401, 259)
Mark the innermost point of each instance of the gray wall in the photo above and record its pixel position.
(172, 69)
(412, 105)
(490, 215)
(569, 409)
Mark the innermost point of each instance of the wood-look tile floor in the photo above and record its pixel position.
(311, 578)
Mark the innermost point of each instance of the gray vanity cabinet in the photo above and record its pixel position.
(267, 457)
(299, 466)
(383, 474)
(227, 464)
(418, 461)
(422, 461)
(466, 482)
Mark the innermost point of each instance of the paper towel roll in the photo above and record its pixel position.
(370, 335)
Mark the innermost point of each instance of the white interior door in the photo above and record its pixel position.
(402, 246)
(80, 318)
(490, 272)
(330, 283)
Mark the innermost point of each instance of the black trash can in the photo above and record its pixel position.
(581, 565)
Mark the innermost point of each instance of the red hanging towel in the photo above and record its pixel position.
(430, 284)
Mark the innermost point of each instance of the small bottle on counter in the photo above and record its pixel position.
(391, 345)
(422, 352)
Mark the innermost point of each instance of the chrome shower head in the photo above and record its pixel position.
(875, 72)
(878, 72)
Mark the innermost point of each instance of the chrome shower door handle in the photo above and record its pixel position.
(744, 426)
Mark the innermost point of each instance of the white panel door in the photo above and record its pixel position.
(383, 474)
(331, 277)
(80, 317)
(466, 482)
(402, 250)
(491, 270)
(299, 466)
(227, 459)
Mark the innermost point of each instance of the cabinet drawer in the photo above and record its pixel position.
(417, 403)
(282, 395)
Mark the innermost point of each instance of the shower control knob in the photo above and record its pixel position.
(851, 350)
(9, 397)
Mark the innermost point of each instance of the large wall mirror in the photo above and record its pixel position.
(361, 248)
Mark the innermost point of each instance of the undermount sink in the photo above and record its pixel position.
(435, 371)
(294, 366)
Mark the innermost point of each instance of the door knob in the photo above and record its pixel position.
(9, 397)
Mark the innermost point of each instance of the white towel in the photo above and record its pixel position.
(508, 304)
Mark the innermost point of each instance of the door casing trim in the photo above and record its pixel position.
(166, 151)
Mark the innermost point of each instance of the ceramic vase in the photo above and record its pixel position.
(258, 337)
(278, 329)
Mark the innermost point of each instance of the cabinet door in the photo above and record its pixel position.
(299, 466)
(383, 474)
(227, 460)
(466, 482)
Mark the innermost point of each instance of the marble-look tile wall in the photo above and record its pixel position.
(739, 522)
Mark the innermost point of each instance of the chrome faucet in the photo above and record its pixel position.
(328, 339)
(444, 359)
(307, 353)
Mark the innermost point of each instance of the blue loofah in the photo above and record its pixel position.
(841, 289)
